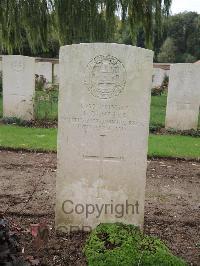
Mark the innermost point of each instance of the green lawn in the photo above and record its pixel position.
(175, 146)
(158, 110)
(37, 139)
(41, 139)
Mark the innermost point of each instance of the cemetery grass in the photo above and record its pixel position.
(43, 139)
(158, 110)
(27, 196)
(46, 105)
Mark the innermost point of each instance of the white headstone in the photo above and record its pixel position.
(56, 73)
(44, 69)
(158, 77)
(18, 86)
(183, 97)
(103, 134)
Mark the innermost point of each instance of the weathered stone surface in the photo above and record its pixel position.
(18, 86)
(103, 134)
(44, 69)
(183, 97)
(1, 66)
(158, 77)
(56, 74)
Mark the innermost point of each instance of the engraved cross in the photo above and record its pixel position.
(101, 157)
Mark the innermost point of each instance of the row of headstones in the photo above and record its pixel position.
(50, 71)
(104, 106)
(19, 88)
(19, 84)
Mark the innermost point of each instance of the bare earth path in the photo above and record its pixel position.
(172, 211)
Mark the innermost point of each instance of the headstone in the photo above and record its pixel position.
(183, 97)
(18, 86)
(103, 134)
(158, 77)
(56, 73)
(44, 69)
(1, 66)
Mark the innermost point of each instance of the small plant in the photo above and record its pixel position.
(46, 104)
(165, 83)
(122, 245)
(159, 90)
(40, 82)
(156, 91)
(155, 128)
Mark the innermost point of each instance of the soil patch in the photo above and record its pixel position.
(172, 209)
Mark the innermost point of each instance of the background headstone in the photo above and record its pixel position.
(103, 134)
(18, 86)
(158, 77)
(1, 68)
(56, 74)
(44, 69)
(183, 97)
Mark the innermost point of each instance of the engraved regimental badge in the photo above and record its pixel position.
(105, 77)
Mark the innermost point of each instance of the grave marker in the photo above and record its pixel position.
(18, 86)
(183, 97)
(103, 134)
(44, 69)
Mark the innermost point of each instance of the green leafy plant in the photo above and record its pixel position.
(156, 91)
(125, 245)
(40, 82)
(46, 104)
(159, 90)
(9, 248)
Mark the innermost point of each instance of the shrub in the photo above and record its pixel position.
(125, 245)
(10, 252)
(168, 51)
(40, 82)
(157, 91)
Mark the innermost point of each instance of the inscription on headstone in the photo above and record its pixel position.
(103, 134)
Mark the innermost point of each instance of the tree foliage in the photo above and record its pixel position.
(75, 21)
(167, 52)
(184, 30)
